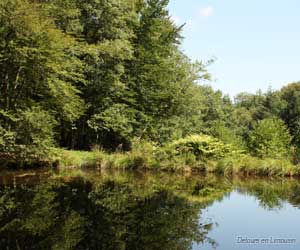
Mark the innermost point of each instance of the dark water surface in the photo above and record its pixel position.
(82, 210)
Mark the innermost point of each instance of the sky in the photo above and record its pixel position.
(256, 43)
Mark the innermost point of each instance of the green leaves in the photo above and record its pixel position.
(29, 136)
(34, 134)
(7, 139)
(204, 147)
(39, 72)
(291, 111)
(270, 138)
(118, 119)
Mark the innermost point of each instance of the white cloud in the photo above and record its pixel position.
(207, 11)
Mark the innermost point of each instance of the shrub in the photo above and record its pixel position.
(227, 135)
(141, 155)
(270, 138)
(35, 136)
(7, 139)
(30, 138)
(204, 147)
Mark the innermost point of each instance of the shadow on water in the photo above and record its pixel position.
(119, 210)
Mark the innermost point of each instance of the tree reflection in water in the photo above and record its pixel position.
(76, 213)
(121, 210)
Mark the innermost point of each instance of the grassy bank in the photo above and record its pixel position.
(145, 157)
(198, 153)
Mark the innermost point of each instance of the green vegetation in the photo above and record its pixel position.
(270, 138)
(109, 77)
(192, 154)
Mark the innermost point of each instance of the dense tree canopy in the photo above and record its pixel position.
(103, 71)
(82, 73)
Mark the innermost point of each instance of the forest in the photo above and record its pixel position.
(106, 83)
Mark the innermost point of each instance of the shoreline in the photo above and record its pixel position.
(242, 165)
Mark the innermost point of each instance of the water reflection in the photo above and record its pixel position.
(111, 213)
(272, 194)
(126, 210)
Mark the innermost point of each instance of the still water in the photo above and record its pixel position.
(82, 210)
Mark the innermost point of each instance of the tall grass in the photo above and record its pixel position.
(144, 155)
(248, 165)
(141, 156)
(136, 159)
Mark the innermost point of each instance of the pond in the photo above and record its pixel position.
(116, 210)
